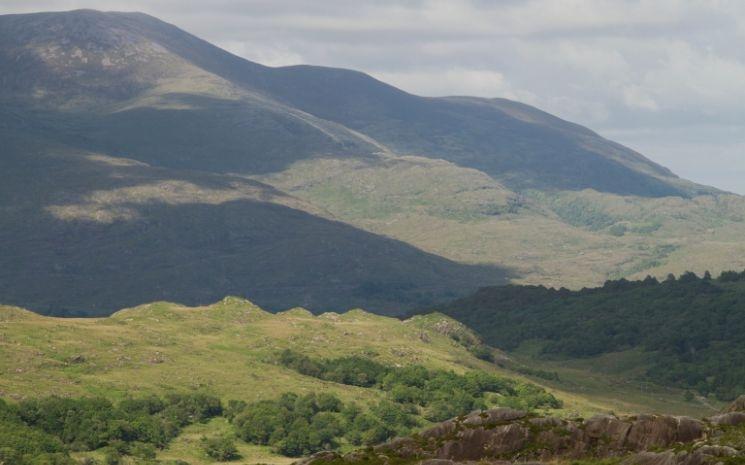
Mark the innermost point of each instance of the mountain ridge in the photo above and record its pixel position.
(354, 99)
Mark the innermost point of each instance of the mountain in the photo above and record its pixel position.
(685, 332)
(144, 163)
(87, 59)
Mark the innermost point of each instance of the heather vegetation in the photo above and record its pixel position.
(693, 325)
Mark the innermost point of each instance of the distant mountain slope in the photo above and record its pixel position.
(692, 329)
(133, 86)
(568, 238)
(473, 187)
(528, 149)
(81, 57)
(83, 233)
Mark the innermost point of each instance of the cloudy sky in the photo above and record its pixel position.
(665, 77)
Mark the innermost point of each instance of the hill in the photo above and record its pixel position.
(467, 192)
(686, 332)
(154, 380)
(103, 369)
(227, 348)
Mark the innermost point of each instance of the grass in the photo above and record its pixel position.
(228, 349)
(609, 383)
(188, 447)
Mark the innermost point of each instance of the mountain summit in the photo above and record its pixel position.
(124, 64)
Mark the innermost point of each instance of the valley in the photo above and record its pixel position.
(684, 331)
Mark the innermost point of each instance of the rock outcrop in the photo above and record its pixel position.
(737, 406)
(505, 436)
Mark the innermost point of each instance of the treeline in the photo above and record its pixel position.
(437, 394)
(45, 431)
(695, 325)
(300, 425)
(297, 425)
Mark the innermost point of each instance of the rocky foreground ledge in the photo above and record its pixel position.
(503, 436)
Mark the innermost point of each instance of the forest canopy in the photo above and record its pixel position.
(695, 326)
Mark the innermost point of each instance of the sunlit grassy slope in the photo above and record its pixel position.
(556, 238)
(229, 349)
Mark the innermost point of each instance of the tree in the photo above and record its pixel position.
(221, 448)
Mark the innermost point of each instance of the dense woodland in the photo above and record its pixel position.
(45, 431)
(436, 394)
(695, 326)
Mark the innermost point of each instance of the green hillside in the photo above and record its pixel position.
(555, 238)
(167, 383)
(200, 359)
(686, 332)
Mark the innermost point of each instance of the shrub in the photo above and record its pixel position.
(221, 448)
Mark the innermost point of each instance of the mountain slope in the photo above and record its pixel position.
(84, 55)
(475, 184)
(82, 232)
(568, 238)
(488, 135)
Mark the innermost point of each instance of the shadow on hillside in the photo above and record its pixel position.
(276, 256)
(195, 252)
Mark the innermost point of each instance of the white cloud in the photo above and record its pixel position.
(635, 97)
